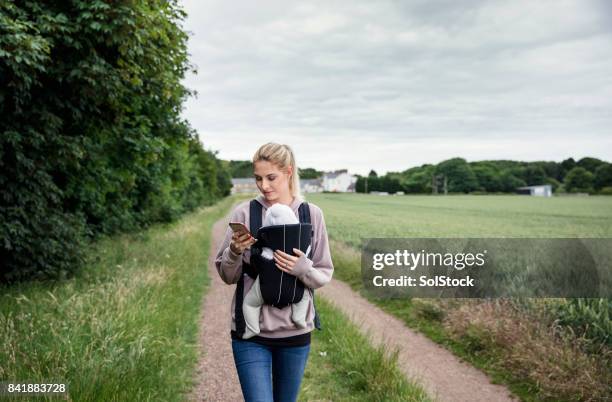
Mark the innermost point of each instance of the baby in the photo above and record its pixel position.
(278, 214)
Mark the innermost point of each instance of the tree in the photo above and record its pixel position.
(551, 169)
(418, 182)
(487, 177)
(241, 169)
(567, 165)
(554, 183)
(578, 180)
(459, 174)
(534, 175)
(310, 173)
(389, 183)
(510, 182)
(95, 143)
(360, 184)
(590, 164)
(603, 176)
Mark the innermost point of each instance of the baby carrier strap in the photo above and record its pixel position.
(255, 222)
(255, 212)
(304, 213)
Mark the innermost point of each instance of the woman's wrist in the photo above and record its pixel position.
(302, 266)
(234, 250)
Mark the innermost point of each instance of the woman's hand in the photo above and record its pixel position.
(241, 242)
(286, 262)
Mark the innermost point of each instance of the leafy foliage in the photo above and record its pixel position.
(310, 173)
(241, 169)
(496, 176)
(461, 178)
(94, 143)
(579, 180)
(588, 317)
(603, 176)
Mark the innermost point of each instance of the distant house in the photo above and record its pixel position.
(339, 181)
(544, 190)
(244, 185)
(311, 185)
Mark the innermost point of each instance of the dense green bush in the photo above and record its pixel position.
(91, 136)
(587, 317)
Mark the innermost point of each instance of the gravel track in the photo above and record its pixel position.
(442, 374)
(216, 374)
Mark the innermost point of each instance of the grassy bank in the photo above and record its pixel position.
(126, 327)
(519, 347)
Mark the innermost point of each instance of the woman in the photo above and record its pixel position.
(271, 365)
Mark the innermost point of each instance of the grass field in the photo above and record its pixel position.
(352, 216)
(517, 342)
(125, 329)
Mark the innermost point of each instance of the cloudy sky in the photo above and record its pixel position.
(394, 84)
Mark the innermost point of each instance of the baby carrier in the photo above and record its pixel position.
(278, 288)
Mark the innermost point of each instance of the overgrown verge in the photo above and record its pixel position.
(125, 327)
(518, 343)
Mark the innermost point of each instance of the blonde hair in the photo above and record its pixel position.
(282, 156)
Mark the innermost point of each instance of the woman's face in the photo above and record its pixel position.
(271, 181)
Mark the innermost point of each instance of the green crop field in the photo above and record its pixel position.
(478, 330)
(352, 216)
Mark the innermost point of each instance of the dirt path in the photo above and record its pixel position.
(442, 374)
(216, 375)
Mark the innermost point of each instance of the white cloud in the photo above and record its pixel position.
(362, 85)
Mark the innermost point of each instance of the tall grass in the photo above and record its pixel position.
(587, 317)
(126, 327)
(533, 348)
(514, 342)
(343, 366)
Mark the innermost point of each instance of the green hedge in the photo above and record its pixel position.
(91, 136)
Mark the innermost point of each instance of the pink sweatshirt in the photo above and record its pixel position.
(275, 322)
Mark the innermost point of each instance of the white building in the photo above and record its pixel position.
(544, 190)
(244, 185)
(339, 181)
(311, 185)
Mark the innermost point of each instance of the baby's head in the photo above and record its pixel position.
(280, 214)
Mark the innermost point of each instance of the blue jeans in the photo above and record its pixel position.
(269, 373)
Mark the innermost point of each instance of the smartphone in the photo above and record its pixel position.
(239, 227)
